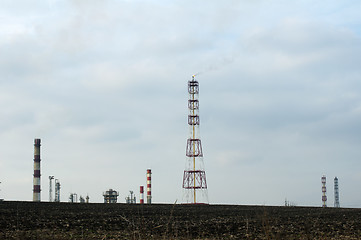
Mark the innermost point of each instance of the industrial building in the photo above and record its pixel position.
(73, 198)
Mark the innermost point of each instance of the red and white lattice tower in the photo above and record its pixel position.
(141, 197)
(36, 181)
(324, 197)
(149, 186)
(194, 176)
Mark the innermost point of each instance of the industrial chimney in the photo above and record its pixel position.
(149, 186)
(36, 181)
(141, 199)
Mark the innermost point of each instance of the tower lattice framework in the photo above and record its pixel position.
(336, 192)
(194, 176)
(324, 196)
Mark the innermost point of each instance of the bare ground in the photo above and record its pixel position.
(29, 220)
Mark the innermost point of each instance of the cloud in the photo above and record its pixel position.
(104, 84)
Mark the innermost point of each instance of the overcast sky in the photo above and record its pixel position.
(104, 85)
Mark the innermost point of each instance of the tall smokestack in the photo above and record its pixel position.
(149, 186)
(141, 199)
(36, 190)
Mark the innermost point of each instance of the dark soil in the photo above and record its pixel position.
(29, 220)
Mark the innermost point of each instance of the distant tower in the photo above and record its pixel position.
(110, 196)
(149, 186)
(36, 181)
(141, 197)
(57, 191)
(194, 176)
(51, 188)
(324, 197)
(337, 196)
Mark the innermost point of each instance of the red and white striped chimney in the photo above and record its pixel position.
(141, 199)
(36, 181)
(149, 186)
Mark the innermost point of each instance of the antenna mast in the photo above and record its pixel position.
(194, 176)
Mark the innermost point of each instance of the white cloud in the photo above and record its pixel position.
(103, 83)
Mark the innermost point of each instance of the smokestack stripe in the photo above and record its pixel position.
(141, 195)
(149, 186)
(36, 181)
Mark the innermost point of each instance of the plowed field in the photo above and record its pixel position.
(28, 220)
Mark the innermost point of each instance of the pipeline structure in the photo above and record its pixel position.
(36, 180)
(194, 176)
(131, 199)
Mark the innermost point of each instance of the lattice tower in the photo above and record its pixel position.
(324, 196)
(337, 195)
(194, 176)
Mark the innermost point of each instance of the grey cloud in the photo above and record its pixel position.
(104, 84)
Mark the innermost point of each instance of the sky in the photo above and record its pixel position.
(104, 85)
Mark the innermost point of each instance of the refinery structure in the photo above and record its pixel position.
(57, 189)
(194, 176)
(110, 196)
